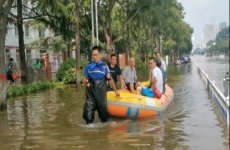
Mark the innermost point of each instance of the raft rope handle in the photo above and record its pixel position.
(130, 97)
(133, 97)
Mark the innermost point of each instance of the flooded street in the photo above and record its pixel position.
(215, 68)
(53, 120)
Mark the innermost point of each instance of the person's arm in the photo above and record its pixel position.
(111, 82)
(123, 76)
(150, 76)
(135, 76)
(120, 74)
(86, 76)
(10, 67)
(154, 80)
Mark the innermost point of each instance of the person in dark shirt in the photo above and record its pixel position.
(115, 71)
(9, 70)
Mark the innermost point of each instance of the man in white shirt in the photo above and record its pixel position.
(163, 64)
(156, 75)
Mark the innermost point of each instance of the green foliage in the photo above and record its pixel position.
(67, 72)
(131, 26)
(141, 65)
(34, 87)
(221, 42)
(57, 44)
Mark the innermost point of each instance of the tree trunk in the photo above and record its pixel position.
(129, 42)
(23, 65)
(5, 6)
(139, 47)
(161, 46)
(109, 47)
(77, 48)
(171, 56)
(68, 49)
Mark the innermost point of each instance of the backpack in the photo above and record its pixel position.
(7, 70)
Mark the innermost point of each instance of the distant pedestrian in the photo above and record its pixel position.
(9, 71)
(36, 65)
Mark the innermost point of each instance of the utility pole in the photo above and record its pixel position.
(96, 16)
(92, 18)
(161, 45)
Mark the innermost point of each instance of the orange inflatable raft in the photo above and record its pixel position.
(133, 106)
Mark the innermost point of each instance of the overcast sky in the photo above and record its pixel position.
(201, 12)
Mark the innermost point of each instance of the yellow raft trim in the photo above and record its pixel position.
(127, 97)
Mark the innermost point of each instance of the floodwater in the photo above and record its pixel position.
(53, 120)
(215, 67)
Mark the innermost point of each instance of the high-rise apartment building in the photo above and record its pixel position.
(209, 33)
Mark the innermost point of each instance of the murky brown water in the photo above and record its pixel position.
(53, 120)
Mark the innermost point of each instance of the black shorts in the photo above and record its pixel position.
(10, 77)
(127, 85)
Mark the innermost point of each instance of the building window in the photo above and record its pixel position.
(27, 30)
(41, 33)
(16, 28)
(7, 55)
(28, 55)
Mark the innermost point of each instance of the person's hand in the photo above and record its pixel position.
(117, 93)
(86, 82)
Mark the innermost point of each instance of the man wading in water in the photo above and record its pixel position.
(95, 78)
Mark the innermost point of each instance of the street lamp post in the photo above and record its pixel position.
(92, 18)
(96, 16)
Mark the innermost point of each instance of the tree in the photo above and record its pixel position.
(58, 16)
(22, 56)
(77, 47)
(5, 6)
(105, 15)
(221, 42)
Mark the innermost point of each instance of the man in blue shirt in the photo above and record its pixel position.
(95, 78)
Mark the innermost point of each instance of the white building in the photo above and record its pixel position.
(209, 33)
(11, 41)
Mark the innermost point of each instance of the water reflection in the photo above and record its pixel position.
(53, 120)
(214, 67)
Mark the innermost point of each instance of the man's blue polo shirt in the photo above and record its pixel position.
(96, 71)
